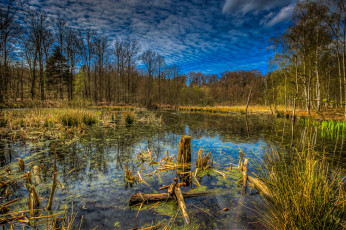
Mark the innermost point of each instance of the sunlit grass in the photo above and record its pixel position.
(34, 124)
(230, 109)
(115, 108)
(48, 117)
(332, 128)
(307, 193)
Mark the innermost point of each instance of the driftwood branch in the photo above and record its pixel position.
(180, 198)
(140, 197)
(258, 184)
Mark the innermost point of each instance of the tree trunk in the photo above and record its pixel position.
(318, 88)
(41, 76)
(140, 197)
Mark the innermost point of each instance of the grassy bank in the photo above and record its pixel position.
(307, 192)
(279, 111)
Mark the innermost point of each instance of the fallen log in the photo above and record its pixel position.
(260, 186)
(140, 197)
(4, 208)
(179, 195)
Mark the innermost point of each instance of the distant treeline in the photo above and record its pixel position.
(43, 58)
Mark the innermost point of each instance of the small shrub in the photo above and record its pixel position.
(129, 118)
(279, 113)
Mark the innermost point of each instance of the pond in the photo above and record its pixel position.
(92, 168)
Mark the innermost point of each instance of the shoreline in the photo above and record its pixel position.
(329, 114)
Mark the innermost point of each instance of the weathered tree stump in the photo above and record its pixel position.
(245, 176)
(241, 159)
(184, 152)
(21, 164)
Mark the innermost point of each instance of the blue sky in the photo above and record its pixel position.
(210, 36)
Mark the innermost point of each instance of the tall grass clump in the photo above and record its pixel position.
(129, 118)
(332, 128)
(75, 117)
(307, 192)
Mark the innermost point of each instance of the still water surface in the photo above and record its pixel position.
(92, 168)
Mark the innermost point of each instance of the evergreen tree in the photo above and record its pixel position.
(57, 69)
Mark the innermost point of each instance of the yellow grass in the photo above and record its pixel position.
(33, 124)
(230, 109)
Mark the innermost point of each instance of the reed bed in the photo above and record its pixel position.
(48, 117)
(306, 191)
(35, 124)
(328, 128)
(332, 128)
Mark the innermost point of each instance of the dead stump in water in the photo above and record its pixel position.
(184, 152)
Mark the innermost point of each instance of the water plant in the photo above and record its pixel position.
(328, 128)
(307, 192)
(332, 128)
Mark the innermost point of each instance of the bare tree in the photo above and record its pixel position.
(38, 24)
(9, 30)
(149, 59)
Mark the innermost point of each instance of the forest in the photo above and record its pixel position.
(44, 58)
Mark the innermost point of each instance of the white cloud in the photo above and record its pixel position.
(284, 15)
(245, 6)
